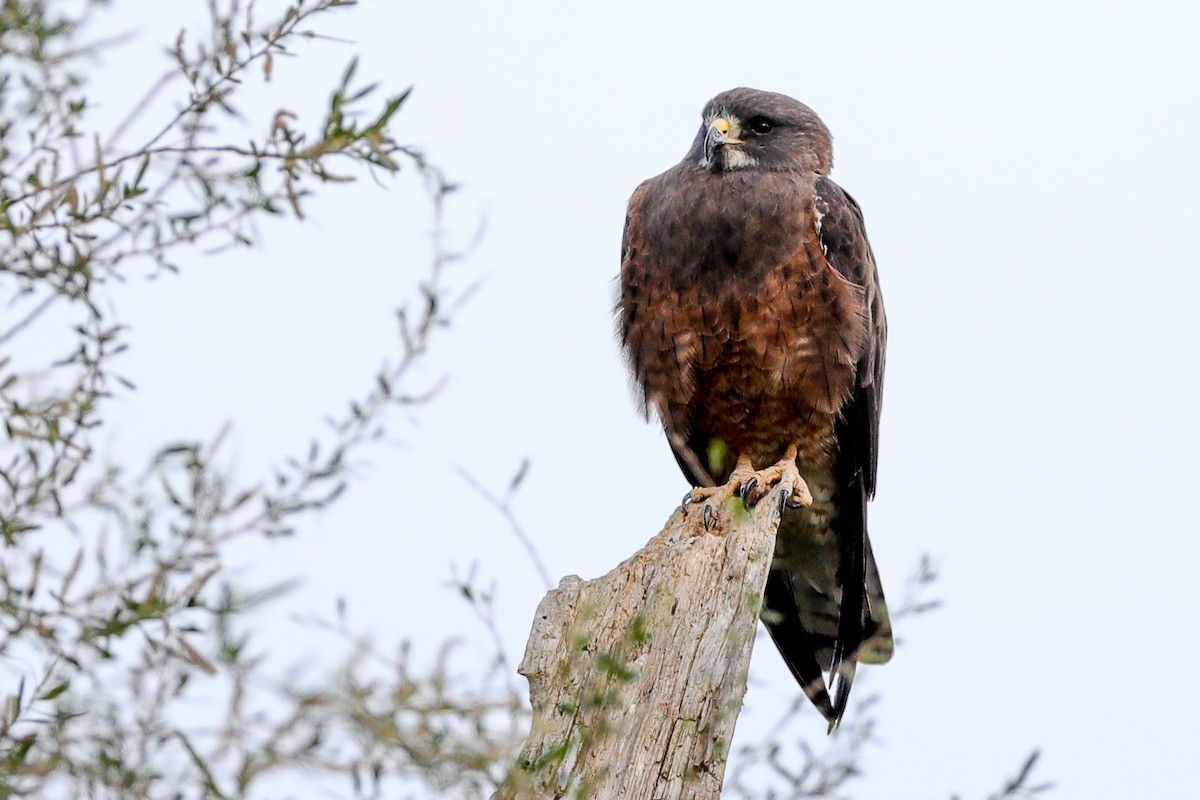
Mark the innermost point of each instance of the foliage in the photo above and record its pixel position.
(128, 664)
(118, 610)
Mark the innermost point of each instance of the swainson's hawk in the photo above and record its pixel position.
(751, 316)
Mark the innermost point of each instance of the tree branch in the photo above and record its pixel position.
(636, 678)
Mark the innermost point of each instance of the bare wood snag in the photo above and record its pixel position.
(636, 678)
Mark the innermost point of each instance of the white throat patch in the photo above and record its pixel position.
(735, 158)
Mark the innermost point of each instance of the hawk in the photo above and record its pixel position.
(752, 321)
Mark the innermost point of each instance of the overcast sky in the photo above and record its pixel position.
(1028, 174)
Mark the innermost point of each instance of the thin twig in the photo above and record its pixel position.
(29, 318)
(506, 511)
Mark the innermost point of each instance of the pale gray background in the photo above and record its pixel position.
(1028, 172)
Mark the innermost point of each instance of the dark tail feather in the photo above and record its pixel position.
(795, 643)
(824, 604)
(852, 578)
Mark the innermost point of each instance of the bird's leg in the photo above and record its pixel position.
(752, 486)
(714, 497)
(784, 472)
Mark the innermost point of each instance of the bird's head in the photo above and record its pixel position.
(752, 129)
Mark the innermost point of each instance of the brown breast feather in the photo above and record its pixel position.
(735, 324)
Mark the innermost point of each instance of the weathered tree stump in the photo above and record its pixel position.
(636, 678)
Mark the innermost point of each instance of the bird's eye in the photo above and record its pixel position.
(760, 125)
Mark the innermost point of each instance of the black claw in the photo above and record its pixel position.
(783, 502)
(709, 516)
(746, 489)
(687, 500)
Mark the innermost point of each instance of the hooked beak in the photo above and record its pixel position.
(721, 132)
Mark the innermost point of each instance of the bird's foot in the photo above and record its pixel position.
(753, 485)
